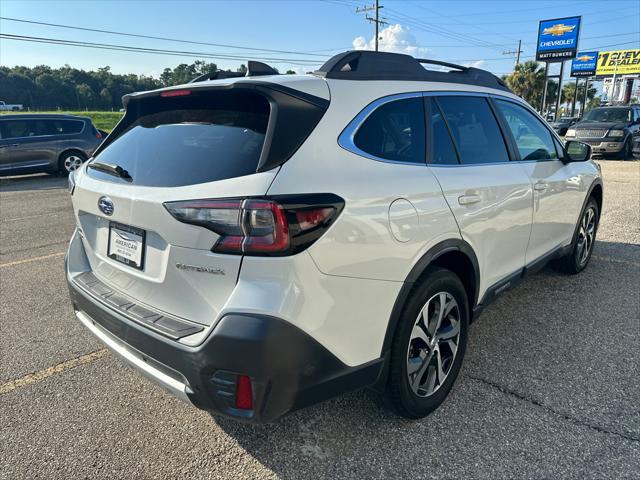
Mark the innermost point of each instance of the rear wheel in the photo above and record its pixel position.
(70, 161)
(429, 344)
(578, 259)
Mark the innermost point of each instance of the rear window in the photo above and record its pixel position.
(199, 138)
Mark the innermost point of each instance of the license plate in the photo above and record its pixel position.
(126, 245)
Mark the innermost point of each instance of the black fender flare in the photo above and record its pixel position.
(454, 244)
(594, 184)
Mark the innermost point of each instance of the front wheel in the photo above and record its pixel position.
(585, 238)
(627, 151)
(429, 344)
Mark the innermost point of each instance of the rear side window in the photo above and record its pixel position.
(474, 129)
(443, 151)
(66, 127)
(190, 140)
(395, 131)
(534, 141)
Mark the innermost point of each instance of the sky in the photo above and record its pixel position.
(305, 32)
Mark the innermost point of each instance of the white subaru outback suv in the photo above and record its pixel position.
(258, 244)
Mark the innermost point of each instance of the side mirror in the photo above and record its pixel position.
(577, 151)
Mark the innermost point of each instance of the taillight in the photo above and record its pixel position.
(98, 135)
(261, 226)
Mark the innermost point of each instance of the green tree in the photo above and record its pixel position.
(67, 88)
(85, 95)
(527, 81)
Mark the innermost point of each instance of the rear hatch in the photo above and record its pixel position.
(213, 142)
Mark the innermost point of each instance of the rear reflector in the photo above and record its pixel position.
(175, 93)
(244, 393)
(255, 226)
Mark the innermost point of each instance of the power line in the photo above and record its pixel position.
(442, 31)
(152, 37)
(129, 48)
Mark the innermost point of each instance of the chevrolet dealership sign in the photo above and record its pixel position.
(627, 61)
(584, 65)
(558, 39)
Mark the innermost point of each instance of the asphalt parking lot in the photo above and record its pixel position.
(549, 387)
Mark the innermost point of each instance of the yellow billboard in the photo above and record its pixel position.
(628, 62)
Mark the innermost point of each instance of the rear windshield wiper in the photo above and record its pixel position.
(115, 170)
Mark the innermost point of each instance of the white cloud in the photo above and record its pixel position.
(476, 64)
(395, 39)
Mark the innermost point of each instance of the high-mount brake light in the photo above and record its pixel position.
(175, 93)
(261, 226)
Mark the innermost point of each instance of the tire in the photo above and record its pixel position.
(627, 151)
(415, 349)
(586, 230)
(70, 161)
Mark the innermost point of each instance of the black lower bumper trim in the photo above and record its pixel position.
(288, 368)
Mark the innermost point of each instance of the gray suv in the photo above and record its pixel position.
(45, 143)
(609, 130)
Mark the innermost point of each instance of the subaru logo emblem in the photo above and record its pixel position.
(105, 205)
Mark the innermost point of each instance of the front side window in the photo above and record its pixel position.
(475, 129)
(394, 131)
(534, 141)
(18, 129)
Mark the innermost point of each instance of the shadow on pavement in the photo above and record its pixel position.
(544, 381)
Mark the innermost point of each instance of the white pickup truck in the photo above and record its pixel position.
(10, 107)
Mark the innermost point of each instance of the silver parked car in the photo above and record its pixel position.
(45, 143)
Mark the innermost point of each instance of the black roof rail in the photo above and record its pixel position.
(254, 69)
(368, 65)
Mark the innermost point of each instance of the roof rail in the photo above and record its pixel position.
(254, 69)
(368, 65)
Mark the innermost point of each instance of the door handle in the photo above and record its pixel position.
(15, 144)
(540, 186)
(469, 199)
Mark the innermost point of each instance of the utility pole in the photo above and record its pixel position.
(377, 21)
(575, 96)
(515, 52)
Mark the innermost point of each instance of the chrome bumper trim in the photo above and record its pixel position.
(133, 358)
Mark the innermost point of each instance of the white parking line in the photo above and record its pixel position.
(33, 259)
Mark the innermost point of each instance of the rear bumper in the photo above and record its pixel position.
(288, 368)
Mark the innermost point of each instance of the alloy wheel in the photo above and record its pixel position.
(586, 235)
(433, 344)
(72, 162)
